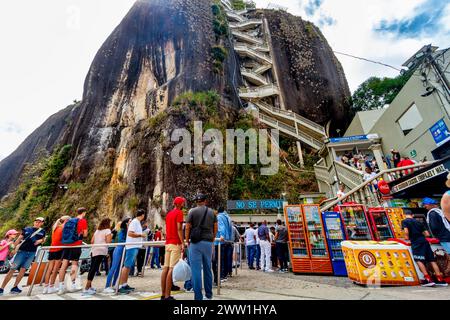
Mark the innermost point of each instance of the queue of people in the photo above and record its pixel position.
(262, 240)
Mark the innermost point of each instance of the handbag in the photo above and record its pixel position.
(196, 232)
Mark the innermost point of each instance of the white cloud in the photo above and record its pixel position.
(48, 46)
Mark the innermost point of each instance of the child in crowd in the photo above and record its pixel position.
(422, 253)
(7, 246)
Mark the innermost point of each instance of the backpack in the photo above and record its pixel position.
(196, 232)
(70, 232)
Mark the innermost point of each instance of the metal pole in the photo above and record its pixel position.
(145, 261)
(218, 269)
(240, 255)
(120, 269)
(235, 257)
(41, 252)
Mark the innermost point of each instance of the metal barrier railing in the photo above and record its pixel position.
(145, 244)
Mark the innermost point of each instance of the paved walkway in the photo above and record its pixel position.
(256, 285)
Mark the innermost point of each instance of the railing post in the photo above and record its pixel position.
(30, 290)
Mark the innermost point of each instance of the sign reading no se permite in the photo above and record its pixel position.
(420, 178)
(254, 204)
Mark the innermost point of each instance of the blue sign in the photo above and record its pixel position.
(440, 133)
(351, 139)
(255, 204)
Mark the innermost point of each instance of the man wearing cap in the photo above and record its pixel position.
(439, 225)
(174, 246)
(201, 221)
(31, 237)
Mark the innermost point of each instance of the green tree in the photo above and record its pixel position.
(375, 93)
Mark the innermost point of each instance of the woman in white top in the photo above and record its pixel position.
(101, 236)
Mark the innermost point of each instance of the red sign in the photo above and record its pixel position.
(383, 186)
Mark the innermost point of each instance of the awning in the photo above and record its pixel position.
(427, 182)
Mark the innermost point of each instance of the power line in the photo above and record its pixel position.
(368, 60)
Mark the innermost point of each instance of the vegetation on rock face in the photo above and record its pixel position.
(220, 27)
(34, 196)
(375, 93)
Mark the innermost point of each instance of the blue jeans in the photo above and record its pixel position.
(188, 283)
(446, 246)
(130, 257)
(251, 252)
(23, 260)
(155, 258)
(258, 255)
(113, 273)
(200, 258)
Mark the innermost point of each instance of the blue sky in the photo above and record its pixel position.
(48, 46)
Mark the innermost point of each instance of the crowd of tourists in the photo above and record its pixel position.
(199, 231)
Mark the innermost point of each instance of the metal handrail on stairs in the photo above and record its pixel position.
(314, 143)
(247, 37)
(290, 114)
(364, 186)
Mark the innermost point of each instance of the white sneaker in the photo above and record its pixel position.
(207, 299)
(269, 270)
(109, 290)
(75, 288)
(45, 290)
(89, 292)
(62, 290)
(52, 290)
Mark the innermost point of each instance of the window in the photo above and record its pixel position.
(410, 119)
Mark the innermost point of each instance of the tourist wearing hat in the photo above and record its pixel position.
(174, 247)
(7, 245)
(438, 223)
(32, 238)
(201, 228)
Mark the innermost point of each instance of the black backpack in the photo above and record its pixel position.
(196, 232)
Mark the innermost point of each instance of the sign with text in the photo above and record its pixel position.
(420, 178)
(255, 204)
(354, 138)
(440, 133)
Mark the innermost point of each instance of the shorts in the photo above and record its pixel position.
(172, 255)
(23, 260)
(130, 257)
(71, 254)
(55, 256)
(422, 252)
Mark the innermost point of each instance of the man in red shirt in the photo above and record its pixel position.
(174, 246)
(73, 254)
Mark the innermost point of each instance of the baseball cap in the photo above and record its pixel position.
(200, 197)
(11, 232)
(428, 201)
(179, 201)
(39, 219)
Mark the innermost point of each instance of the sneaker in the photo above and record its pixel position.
(428, 283)
(169, 298)
(190, 290)
(109, 290)
(223, 280)
(15, 290)
(175, 288)
(258, 268)
(45, 290)
(52, 290)
(441, 283)
(251, 268)
(61, 290)
(207, 299)
(123, 290)
(89, 292)
(75, 288)
(1, 292)
(269, 270)
(127, 287)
